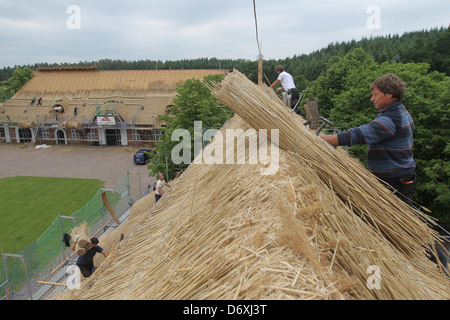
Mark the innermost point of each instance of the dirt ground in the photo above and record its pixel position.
(106, 163)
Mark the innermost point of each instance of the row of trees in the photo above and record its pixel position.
(431, 46)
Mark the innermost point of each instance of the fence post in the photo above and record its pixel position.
(129, 186)
(6, 274)
(22, 258)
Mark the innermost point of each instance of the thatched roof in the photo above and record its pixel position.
(144, 93)
(227, 231)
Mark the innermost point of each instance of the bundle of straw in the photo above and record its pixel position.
(84, 242)
(347, 177)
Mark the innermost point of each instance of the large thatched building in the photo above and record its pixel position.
(89, 106)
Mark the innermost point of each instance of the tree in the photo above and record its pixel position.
(19, 78)
(332, 82)
(440, 60)
(194, 102)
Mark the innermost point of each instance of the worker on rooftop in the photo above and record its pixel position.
(288, 84)
(86, 261)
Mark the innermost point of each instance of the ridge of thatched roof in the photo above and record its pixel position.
(92, 68)
(74, 80)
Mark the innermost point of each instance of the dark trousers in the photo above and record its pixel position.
(86, 270)
(406, 188)
(157, 197)
(295, 96)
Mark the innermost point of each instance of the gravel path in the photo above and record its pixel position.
(106, 163)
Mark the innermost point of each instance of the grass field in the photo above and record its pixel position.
(28, 206)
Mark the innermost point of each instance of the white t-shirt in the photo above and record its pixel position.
(160, 183)
(286, 80)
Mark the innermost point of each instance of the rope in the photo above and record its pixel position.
(298, 141)
(239, 95)
(256, 26)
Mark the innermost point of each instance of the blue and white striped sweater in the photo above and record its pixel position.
(390, 140)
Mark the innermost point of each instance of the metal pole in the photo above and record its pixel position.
(6, 272)
(167, 171)
(114, 197)
(139, 181)
(128, 186)
(22, 258)
(26, 273)
(61, 236)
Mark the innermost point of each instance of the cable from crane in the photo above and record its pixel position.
(256, 26)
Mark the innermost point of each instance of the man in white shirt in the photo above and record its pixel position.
(287, 82)
(160, 187)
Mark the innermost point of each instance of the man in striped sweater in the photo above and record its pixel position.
(390, 140)
(389, 137)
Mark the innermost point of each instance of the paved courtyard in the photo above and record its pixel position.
(106, 163)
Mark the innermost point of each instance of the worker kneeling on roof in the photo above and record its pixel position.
(86, 261)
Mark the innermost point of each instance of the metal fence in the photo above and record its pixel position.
(19, 272)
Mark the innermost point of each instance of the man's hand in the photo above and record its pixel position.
(332, 139)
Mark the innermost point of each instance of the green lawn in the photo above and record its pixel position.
(28, 206)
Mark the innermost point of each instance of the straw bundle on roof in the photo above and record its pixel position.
(27, 124)
(347, 177)
(73, 125)
(84, 242)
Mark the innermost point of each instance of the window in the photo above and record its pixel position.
(91, 134)
(45, 133)
(75, 134)
(136, 136)
(157, 133)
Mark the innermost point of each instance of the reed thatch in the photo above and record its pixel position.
(145, 94)
(84, 242)
(73, 125)
(27, 124)
(321, 227)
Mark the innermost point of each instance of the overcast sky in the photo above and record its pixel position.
(56, 31)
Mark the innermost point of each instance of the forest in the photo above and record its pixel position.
(339, 76)
(430, 46)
